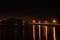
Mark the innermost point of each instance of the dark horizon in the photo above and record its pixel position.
(29, 9)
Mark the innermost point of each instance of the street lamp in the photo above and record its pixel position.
(54, 21)
(33, 30)
(54, 33)
(33, 21)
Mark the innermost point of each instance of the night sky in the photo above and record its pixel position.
(29, 9)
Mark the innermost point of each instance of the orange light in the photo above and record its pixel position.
(33, 21)
(54, 21)
(54, 33)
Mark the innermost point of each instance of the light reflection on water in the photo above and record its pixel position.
(7, 28)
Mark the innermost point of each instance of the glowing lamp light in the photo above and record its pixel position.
(54, 21)
(33, 21)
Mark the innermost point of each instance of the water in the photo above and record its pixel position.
(31, 32)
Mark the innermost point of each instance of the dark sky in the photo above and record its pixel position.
(29, 8)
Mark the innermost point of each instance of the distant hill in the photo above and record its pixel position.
(11, 21)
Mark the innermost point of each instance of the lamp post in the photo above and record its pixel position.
(54, 34)
(39, 30)
(33, 30)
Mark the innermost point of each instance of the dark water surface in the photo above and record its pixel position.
(20, 32)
